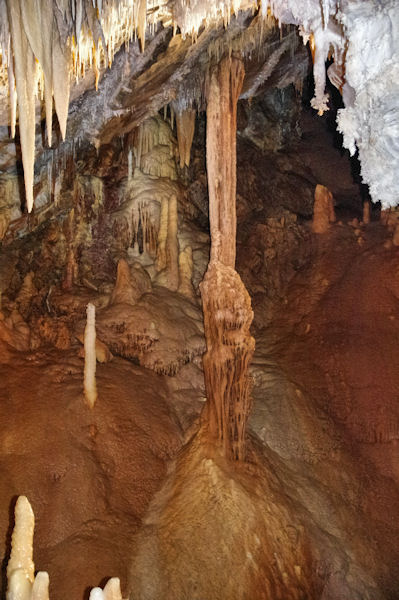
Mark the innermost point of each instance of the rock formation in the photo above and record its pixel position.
(323, 210)
(267, 458)
(22, 582)
(226, 303)
(90, 386)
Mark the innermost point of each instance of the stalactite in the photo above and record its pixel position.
(24, 68)
(185, 122)
(154, 148)
(226, 302)
(224, 87)
(13, 96)
(142, 21)
(90, 387)
(38, 18)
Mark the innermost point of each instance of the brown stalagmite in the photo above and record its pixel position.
(24, 71)
(323, 209)
(71, 271)
(226, 302)
(224, 89)
(185, 122)
(230, 346)
(130, 285)
(366, 212)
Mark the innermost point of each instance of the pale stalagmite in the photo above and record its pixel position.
(90, 387)
(22, 583)
(40, 589)
(22, 540)
(111, 591)
(162, 234)
(186, 272)
(172, 247)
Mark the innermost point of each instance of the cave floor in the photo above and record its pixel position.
(325, 409)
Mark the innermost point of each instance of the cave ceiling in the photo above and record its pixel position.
(107, 66)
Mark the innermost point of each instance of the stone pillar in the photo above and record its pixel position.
(226, 302)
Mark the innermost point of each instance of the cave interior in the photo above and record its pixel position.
(199, 299)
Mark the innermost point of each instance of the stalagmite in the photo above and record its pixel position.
(366, 212)
(26, 293)
(172, 247)
(186, 272)
(22, 583)
(323, 209)
(40, 589)
(111, 591)
(162, 235)
(22, 541)
(395, 239)
(185, 122)
(71, 271)
(129, 287)
(129, 165)
(226, 302)
(90, 387)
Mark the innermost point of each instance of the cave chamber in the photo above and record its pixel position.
(199, 299)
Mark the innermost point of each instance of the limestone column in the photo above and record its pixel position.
(225, 85)
(226, 302)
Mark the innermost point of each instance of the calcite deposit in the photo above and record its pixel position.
(199, 300)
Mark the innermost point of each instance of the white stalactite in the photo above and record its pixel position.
(24, 71)
(90, 387)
